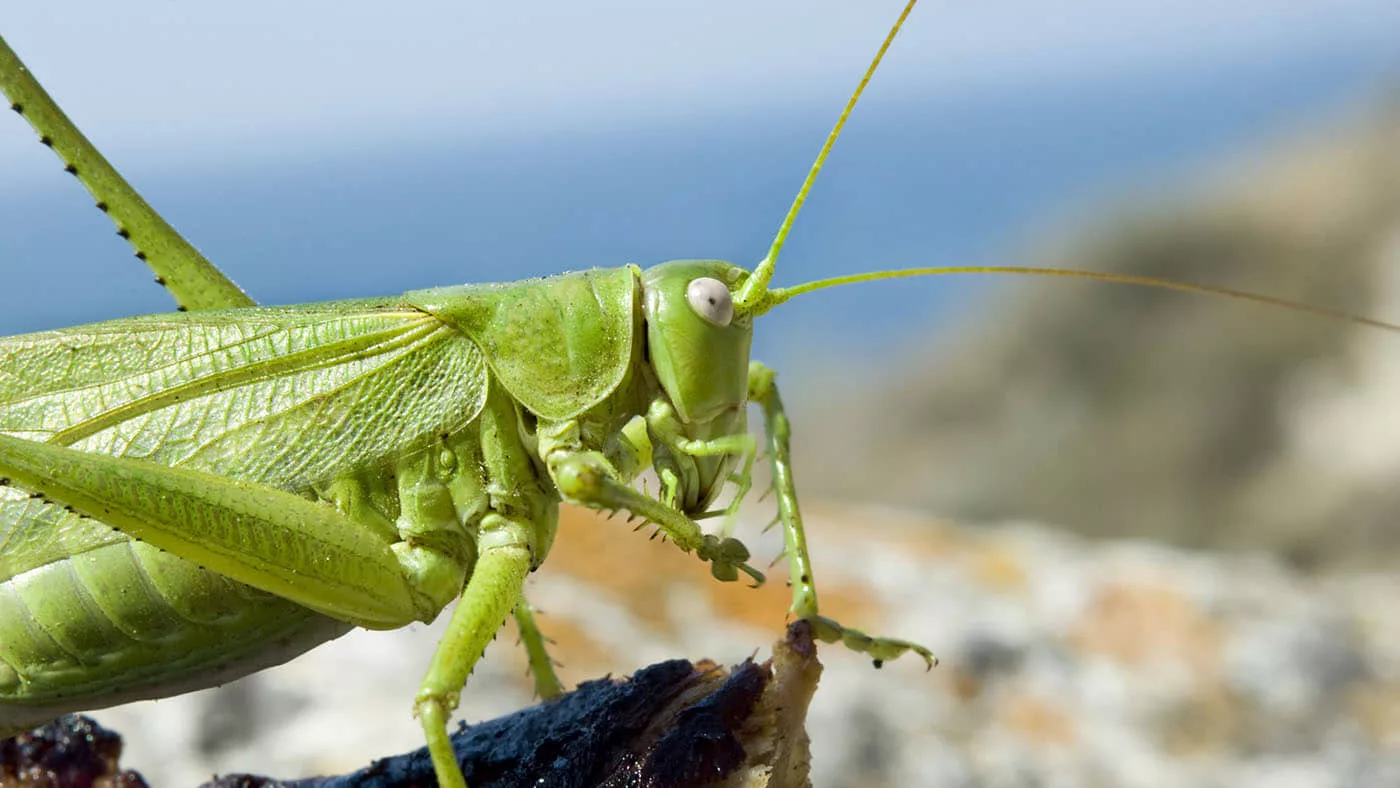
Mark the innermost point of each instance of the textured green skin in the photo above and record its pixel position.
(338, 402)
(186, 499)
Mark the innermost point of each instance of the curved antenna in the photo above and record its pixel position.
(753, 296)
(779, 295)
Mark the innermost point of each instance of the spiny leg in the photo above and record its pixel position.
(191, 279)
(663, 421)
(586, 478)
(492, 592)
(547, 684)
(763, 390)
(594, 479)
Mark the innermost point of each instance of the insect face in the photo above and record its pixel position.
(699, 352)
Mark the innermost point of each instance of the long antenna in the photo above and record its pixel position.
(782, 294)
(753, 296)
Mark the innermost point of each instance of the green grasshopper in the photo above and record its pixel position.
(191, 497)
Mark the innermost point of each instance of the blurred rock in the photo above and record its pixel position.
(1120, 411)
(1066, 662)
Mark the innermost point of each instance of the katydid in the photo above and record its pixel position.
(186, 498)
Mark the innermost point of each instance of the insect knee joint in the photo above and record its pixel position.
(581, 477)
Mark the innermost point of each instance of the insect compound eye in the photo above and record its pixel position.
(711, 300)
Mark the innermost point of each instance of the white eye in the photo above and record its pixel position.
(710, 300)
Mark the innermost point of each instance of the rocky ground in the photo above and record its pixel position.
(1066, 662)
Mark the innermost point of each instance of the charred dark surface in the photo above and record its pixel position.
(70, 752)
(675, 724)
(703, 744)
(577, 739)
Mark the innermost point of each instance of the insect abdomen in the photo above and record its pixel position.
(125, 621)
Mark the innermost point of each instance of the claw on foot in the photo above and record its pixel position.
(880, 650)
(727, 559)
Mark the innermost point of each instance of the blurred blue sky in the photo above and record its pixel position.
(322, 150)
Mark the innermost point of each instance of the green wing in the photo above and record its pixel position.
(284, 397)
(560, 344)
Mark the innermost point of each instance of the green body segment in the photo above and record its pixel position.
(185, 499)
(559, 345)
(382, 409)
(124, 622)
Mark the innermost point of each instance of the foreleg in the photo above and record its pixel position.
(764, 391)
(586, 478)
